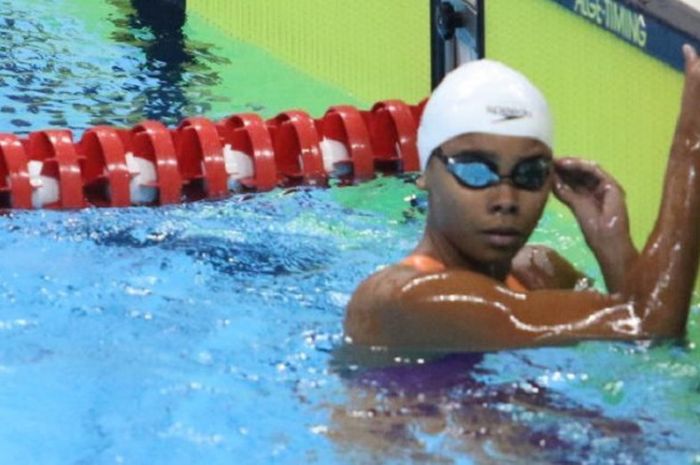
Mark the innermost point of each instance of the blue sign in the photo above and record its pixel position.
(644, 31)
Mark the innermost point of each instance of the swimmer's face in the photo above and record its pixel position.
(488, 225)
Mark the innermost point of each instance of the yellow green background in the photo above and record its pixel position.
(374, 49)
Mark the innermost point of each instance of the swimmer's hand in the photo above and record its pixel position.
(598, 203)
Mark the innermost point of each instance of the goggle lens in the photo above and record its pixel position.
(530, 174)
(474, 174)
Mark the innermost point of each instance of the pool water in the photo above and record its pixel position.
(211, 332)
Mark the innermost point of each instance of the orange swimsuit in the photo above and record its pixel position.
(428, 264)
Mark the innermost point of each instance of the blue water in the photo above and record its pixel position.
(212, 332)
(177, 335)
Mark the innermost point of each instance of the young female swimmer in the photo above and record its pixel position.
(485, 143)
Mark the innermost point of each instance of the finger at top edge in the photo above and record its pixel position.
(689, 53)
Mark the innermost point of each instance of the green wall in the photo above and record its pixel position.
(374, 49)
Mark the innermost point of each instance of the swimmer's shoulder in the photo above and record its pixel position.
(376, 295)
(381, 297)
(402, 306)
(535, 267)
(384, 286)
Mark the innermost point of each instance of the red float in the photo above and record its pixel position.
(297, 148)
(150, 164)
(344, 123)
(152, 141)
(105, 171)
(248, 133)
(393, 128)
(14, 175)
(60, 161)
(200, 156)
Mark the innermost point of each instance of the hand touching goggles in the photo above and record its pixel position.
(475, 171)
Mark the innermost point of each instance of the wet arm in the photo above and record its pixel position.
(662, 278)
(438, 311)
(615, 258)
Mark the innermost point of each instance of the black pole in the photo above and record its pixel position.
(162, 16)
(437, 45)
(480, 28)
(445, 22)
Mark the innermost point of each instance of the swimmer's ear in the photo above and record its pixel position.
(422, 180)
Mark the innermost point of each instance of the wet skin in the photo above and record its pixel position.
(478, 235)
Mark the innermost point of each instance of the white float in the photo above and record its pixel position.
(143, 176)
(45, 189)
(333, 152)
(238, 166)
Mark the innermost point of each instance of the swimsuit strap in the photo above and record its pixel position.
(428, 264)
(514, 284)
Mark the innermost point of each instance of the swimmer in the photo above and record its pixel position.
(471, 284)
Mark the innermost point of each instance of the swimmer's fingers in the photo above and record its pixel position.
(691, 58)
(614, 207)
(590, 168)
(583, 176)
(582, 205)
(691, 93)
(605, 204)
(689, 119)
(586, 188)
(563, 192)
(565, 183)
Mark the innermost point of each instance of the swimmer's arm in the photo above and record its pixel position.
(539, 267)
(615, 260)
(662, 279)
(461, 310)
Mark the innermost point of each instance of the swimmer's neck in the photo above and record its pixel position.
(437, 246)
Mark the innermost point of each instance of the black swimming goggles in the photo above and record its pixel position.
(475, 171)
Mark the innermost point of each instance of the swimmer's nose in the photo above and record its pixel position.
(504, 199)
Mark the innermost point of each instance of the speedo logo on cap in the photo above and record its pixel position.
(507, 113)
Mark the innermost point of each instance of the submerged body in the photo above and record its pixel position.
(487, 188)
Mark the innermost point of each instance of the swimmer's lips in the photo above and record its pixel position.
(503, 237)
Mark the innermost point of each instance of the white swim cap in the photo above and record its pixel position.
(483, 96)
